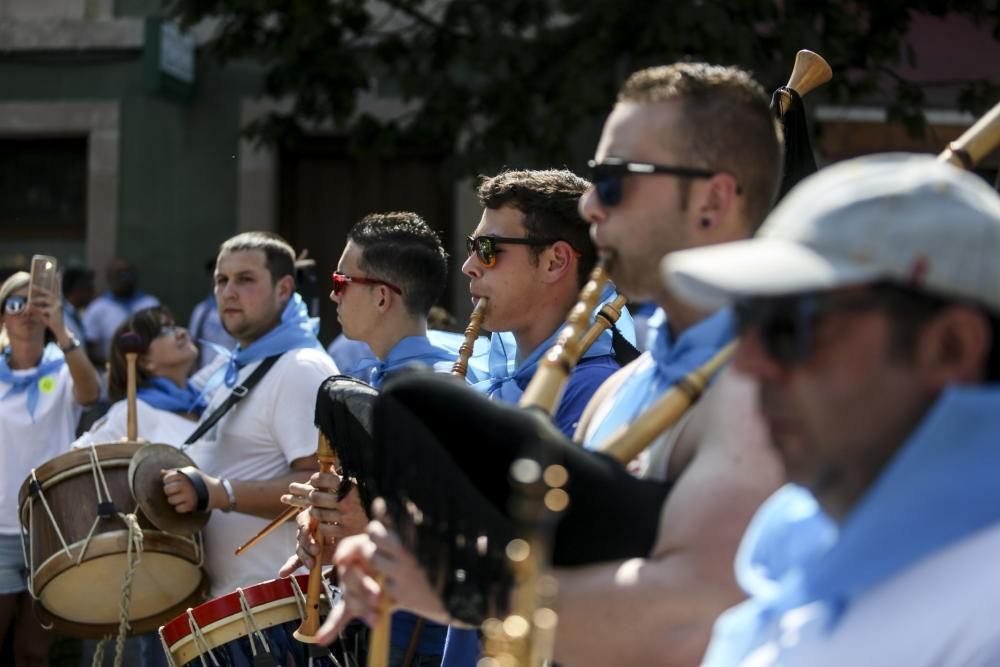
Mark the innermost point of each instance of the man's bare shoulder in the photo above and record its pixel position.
(727, 469)
(726, 418)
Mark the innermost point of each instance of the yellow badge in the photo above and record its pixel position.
(47, 384)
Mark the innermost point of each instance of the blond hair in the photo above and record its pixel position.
(19, 280)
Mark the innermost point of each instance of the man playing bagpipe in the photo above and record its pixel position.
(528, 256)
(392, 271)
(690, 156)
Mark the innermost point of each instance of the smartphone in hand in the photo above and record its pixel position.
(43, 274)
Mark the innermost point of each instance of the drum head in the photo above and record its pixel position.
(147, 486)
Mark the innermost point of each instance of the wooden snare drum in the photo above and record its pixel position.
(79, 541)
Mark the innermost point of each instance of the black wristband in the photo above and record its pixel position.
(200, 488)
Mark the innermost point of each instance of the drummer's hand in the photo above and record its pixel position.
(182, 496)
(179, 490)
(362, 595)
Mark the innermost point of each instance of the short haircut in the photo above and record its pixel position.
(401, 248)
(145, 323)
(76, 276)
(910, 310)
(548, 199)
(728, 126)
(278, 254)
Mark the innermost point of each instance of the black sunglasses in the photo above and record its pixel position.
(607, 176)
(787, 324)
(485, 247)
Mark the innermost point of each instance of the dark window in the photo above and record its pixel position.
(43, 188)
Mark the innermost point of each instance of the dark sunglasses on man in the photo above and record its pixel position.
(341, 281)
(607, 176)
(485, 247)
(15, 304)
(787, 324)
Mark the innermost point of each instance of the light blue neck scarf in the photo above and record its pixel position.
(408, 351)
(52, 360)
(940, 488)
(163, 394)
(296, 330)
(672, 360)
(507, 379)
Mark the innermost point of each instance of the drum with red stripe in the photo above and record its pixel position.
(250, 626)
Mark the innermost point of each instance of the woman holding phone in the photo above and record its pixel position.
(45, 380)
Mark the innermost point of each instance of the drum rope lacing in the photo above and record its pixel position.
(251, 625)
(103, 496)
(300, 598)
(199, 641)
(55, 526)
(134, 556)
(166, 649)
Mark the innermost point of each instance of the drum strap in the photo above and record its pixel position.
(239, 392)
(411, 649)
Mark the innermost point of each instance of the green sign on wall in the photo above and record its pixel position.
(169, 60)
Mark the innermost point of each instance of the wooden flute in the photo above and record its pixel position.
(461, 365)
(310, 623)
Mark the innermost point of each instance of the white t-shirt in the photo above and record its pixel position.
(27, 444)
(156, 426)
(104, 315)
(258, 439)
(940, 612)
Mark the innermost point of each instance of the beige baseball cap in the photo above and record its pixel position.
(896, 217)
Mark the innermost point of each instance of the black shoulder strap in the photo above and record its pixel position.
(625, 352)
(238, 394)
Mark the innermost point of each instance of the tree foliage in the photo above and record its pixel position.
(484, 80)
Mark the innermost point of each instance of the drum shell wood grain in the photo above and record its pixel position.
(83, 600)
